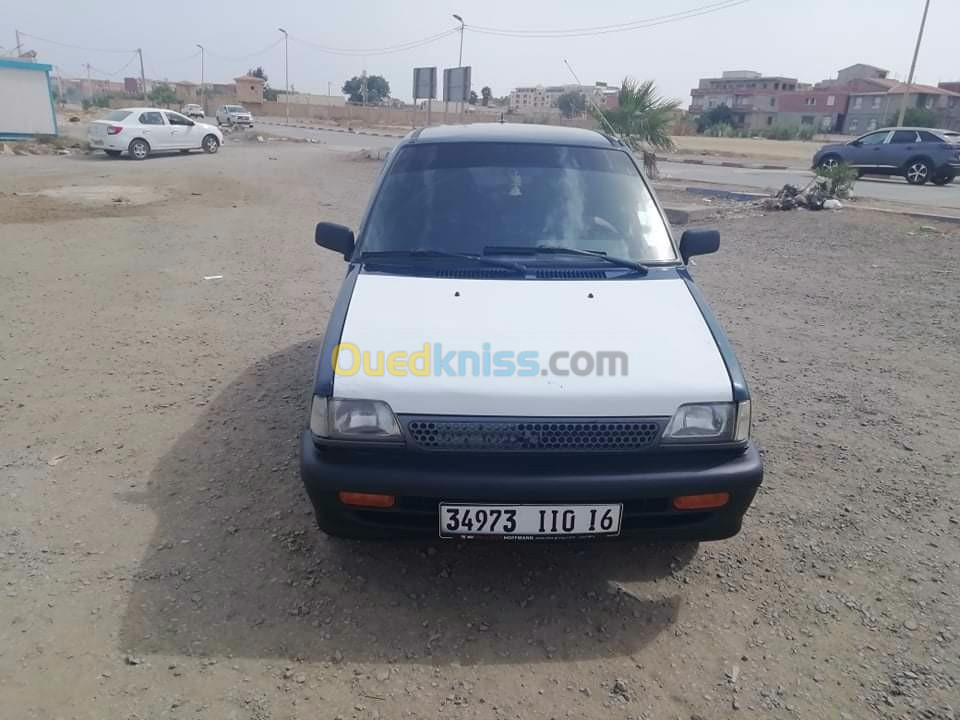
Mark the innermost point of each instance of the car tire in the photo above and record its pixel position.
(918, 172)
(943, 179)
(210, 144)
(113, 153)
(830, 161)
(139, 149)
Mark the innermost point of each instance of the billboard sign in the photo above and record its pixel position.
(425, 83)
(456, 84)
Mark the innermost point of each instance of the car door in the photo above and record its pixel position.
(900, 148)
(182, 131)
(154, 129)
(866, 151)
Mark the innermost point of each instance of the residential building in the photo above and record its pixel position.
(753, 97)
(822, 109)
(867, 111)
(543, 99)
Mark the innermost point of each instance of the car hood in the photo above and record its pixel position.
(831, 147)
(671, 355)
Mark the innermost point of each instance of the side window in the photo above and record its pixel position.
(904, 137)
(874, 138)
(177, 119)
(151, 118)
(928, 137)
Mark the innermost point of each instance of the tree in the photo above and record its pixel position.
(486, 94)
(269, 93)
(643, 117)
(473, 100)
(720, 115)
(378, 89)
(572, 103)
(917, 117)
(162, 94)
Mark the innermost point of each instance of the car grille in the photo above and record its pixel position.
(533, 434)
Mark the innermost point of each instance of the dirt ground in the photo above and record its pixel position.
(158, 557)
(792, 153)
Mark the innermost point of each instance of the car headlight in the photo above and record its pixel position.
(348, 419)
(709, 423)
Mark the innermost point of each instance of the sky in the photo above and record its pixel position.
(808, 39)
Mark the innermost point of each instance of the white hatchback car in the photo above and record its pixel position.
(142, 131)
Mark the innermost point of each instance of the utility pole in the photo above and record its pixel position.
(63, 100)
(89, 83)
(913, 66)
(363, 86)
(143, 77)
(329, 91)
(286, 60)
(203, 102)
(17, 32)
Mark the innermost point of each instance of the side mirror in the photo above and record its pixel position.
(338, 238)
(698, 242)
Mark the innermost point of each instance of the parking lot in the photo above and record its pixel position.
(159, 558)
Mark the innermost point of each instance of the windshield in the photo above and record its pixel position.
(117, 115)
(952, 137)
(235, 108)
(463, 197)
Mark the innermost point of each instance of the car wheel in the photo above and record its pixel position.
(943, 179)
(828, 162)
(918, 172)
(113, 153)
(211, 144)
(139, 149)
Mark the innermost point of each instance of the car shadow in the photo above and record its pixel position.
(237, 567)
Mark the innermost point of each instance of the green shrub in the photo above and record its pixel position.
(85, 103)
(719, 130)
(781, 133)
(102, 101)
(838, 180)
(806, 132)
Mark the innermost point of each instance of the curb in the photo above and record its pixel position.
(918, 214)
(330, 129)
(696, 161)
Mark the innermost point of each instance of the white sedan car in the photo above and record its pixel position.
(142, 131)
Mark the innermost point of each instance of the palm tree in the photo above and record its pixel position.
(643, 119)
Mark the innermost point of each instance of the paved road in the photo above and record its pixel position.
(882, 189)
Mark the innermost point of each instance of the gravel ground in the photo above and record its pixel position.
(158, 557)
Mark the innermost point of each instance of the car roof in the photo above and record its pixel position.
(144, 109)
(912, 127)
(496, 132)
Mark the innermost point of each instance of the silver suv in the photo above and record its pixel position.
(234, 115)
(918, 154)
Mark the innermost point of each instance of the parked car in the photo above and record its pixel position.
(194, 111)
(140, 132)
(518, 351)
(918, 154)
(234, 115)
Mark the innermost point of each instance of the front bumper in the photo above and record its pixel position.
(645, 483)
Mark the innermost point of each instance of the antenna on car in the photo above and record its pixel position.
(596, 108)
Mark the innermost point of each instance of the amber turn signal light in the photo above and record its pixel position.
(707, 501)
(373, 500)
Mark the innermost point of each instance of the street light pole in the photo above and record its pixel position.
(286, 60)
(203, 102)
(460, 57)
(913, 66)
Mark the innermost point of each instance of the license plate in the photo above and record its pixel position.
(529, 522)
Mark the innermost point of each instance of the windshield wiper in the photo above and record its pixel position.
(424, 253)
(557, 250)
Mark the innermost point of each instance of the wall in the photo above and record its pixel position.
(26, 108)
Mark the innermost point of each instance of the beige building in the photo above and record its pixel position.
(249, 89)
(543, 99)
